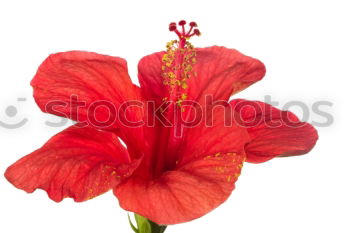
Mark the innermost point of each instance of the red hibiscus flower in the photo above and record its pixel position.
(185, 144)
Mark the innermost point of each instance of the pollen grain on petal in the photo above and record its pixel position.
(232, 167)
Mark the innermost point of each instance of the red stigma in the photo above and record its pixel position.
(196, 32)
(193, 24)
(182, 33)
(172, 27)
(182, 22)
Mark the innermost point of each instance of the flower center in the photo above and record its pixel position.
(178, 61)
(177, 68)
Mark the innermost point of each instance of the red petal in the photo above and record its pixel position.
(218, 131)
(199, 176)
(205, 130)
(273, 132)
(79, 162)
(221, 72)
(151, 81)
(87, 87)
(185, 194)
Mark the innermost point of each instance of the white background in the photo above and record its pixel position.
(305, 47)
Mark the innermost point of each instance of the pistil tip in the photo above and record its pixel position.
(184, 34)
(193, 24)
(182, 22)
(172, 27)
(196, 32)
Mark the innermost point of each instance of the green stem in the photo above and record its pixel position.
(145, 225)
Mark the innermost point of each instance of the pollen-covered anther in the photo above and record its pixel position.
(171, 75)
(178, 62)
(188, 68)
